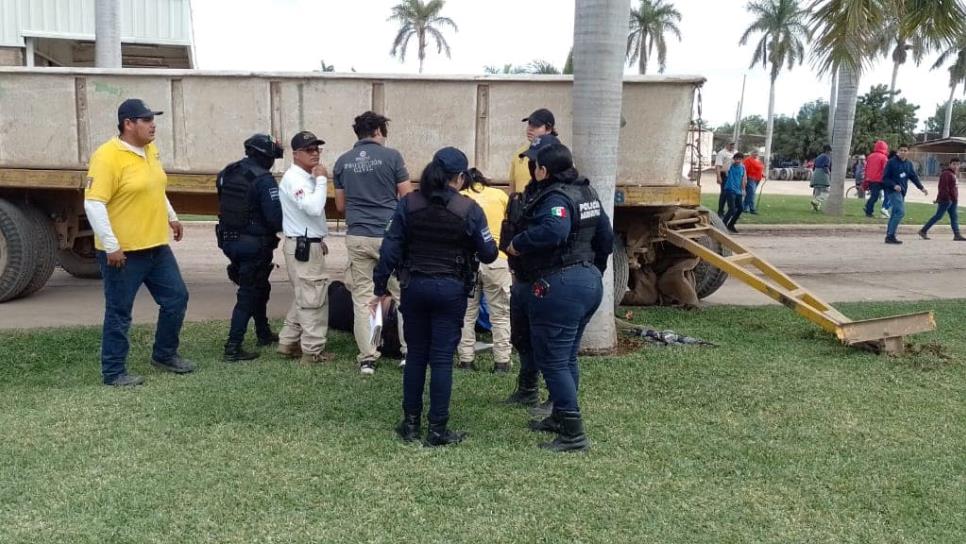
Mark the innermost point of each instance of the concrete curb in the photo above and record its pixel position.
(834, 230)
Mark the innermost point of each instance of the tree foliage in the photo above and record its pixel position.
(420, 20)
(935, 123)
(648, 24)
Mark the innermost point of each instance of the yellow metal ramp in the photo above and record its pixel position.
(882, 335)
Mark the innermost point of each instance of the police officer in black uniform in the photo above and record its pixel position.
(559, 248)
(249, 218)
(434, 243)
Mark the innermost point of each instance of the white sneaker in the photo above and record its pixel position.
(402, 364)
(367, 368)
(884, 213)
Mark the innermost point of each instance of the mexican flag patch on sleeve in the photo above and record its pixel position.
(558, 211)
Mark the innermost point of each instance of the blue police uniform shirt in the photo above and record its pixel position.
(391, 250)
(550, 227)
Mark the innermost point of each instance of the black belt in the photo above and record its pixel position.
(311, 240)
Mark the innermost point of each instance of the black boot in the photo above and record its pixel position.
(234, 353)
(544, 409)
(408, 428)
(439, 435)
(549, 424)
(526, 393)
(266, 338)
(571, 436)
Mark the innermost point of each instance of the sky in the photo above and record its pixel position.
(295, 35)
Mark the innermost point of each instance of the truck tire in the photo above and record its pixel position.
(17, 256)
(707, 278)
(622, 273)
(45, 242)
(79, 261)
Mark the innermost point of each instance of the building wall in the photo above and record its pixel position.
(142, 21)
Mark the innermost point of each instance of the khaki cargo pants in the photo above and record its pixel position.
(495, 284)
(307, 321)
(363, 253)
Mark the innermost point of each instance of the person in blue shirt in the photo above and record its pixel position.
(434, 243)
(249, 218)
(558, 254)
(895, 183)
(734, 189)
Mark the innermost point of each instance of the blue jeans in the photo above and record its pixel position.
(557, 321)
(520, 333)
(433, 310)
(875, 189)
(251, 265)
(897, 207)
(942, 208)
(734, 202)
(157, 269)
(750, 189)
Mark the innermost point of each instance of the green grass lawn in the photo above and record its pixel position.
(778, 435)
(794, 210)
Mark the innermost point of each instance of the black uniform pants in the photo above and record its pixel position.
(251, 264)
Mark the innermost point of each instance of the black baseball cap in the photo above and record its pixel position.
(540, 117)
(305, 139)
(539, 143)
(452, 160)
(134, 108)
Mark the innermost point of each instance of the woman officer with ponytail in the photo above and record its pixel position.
(433, 243)
(559, 251)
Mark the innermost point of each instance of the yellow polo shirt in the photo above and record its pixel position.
(132, 187)
(494, 203)
(519, 172)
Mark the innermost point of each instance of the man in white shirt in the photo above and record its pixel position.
(722, 162)
(302, 192)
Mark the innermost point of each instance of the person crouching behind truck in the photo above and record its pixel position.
(494, 280)
(130, 215)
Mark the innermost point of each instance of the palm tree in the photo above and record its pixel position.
(899, 45)
(597, 90)
(648, 23)
(957, 75)
(845, 38)
(782, 25)
(422, 20)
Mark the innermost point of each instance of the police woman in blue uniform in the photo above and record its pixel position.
(249, 217)
(433, 243)
(560, 247)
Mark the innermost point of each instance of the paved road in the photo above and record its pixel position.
(838, 265)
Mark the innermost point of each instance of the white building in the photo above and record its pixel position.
(154, 33)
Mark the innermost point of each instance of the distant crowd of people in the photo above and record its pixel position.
(882, 174)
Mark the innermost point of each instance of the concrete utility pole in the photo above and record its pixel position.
(600, 36)
(741, 106)
(107, 33)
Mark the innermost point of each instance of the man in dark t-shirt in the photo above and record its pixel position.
(369, 180)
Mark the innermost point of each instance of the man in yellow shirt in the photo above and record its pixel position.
(494, 281)
(539, 122)
(127, 208)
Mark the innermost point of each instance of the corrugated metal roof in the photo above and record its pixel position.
(142, 21)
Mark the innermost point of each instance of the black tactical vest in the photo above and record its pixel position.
(438, 244)
(578, 247)
(236, 188)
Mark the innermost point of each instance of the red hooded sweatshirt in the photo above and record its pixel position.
(876, 162)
